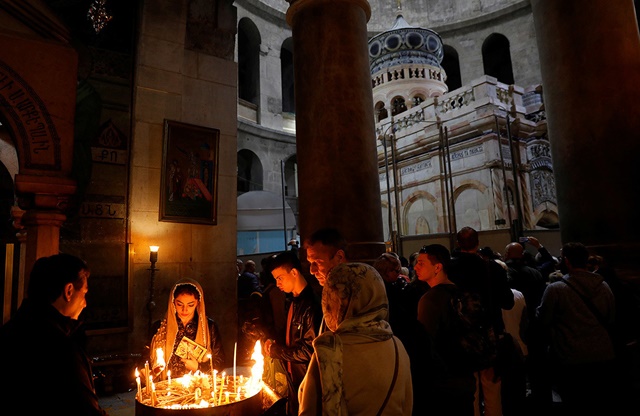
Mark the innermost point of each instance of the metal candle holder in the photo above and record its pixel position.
(151, 305)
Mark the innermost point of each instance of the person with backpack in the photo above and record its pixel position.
(576, 314)
(487, 281)
(451, 391)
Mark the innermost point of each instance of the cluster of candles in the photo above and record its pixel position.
(199, 390)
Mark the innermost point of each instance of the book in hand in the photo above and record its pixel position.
(190, 350)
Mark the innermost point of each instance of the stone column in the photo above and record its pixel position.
(335, 131)
(43, 199)
(590, 64)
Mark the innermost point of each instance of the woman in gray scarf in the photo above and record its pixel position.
(359, 367)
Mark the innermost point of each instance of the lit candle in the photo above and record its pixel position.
(169, 379)
(235, 353)
(211, 365)
(139, 396)
(150, 385)
(146, 374)
(215, 375)
(223, 375)
(154, 398)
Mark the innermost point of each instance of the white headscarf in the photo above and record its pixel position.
(165, 338)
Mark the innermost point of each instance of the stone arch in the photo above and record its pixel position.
(472, 207)
(37, 105)
(33, 131)
(381, 111)
(496, 58)
(420, 214)
(249, 41)
(286, 74)
(451, 66)
(417, 96)
(250, 172)
(398, 105)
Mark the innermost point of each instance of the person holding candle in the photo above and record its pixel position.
(304, 314)
(45, 366)
(186, 318)
(358, 366)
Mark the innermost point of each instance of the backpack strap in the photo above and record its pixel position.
(393, 382)
(588, 303)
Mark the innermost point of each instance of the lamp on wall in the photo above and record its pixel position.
(151, 305)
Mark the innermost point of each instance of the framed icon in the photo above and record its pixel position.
(189, 173)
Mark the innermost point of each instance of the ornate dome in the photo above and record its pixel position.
(405, 44)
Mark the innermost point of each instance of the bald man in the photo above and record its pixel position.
(527, 280)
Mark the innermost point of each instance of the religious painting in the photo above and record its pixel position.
(189, 173)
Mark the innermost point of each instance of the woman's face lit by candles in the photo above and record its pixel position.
(186, 305)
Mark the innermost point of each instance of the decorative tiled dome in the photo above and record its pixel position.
(404, 44)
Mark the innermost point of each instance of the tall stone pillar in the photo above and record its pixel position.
(335, 129)
(590, 64)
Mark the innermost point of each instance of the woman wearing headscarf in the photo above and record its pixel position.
(186, 335)
(358, 367)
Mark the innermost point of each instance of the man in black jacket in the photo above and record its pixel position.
(304, 314)
(45, 368)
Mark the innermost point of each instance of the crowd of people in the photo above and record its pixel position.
(361, 339)
(548, 344)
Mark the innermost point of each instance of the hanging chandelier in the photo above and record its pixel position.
(98, 15)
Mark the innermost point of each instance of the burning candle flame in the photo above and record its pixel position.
(192, 386)
(160, 360)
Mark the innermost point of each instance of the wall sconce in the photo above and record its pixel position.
(151, 305)
(153, 255)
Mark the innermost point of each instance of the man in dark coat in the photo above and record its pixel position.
(45, 367)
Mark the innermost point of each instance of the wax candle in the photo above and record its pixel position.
(226, 395)
(154, 398)
(215, 375)
(221, 386)
(169, 379)
(146, 374)
(235, 353)
(139, 396)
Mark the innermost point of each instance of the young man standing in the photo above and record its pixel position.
(450, 393)
(304, 314)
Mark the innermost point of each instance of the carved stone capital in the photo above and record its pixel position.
(48, 193)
